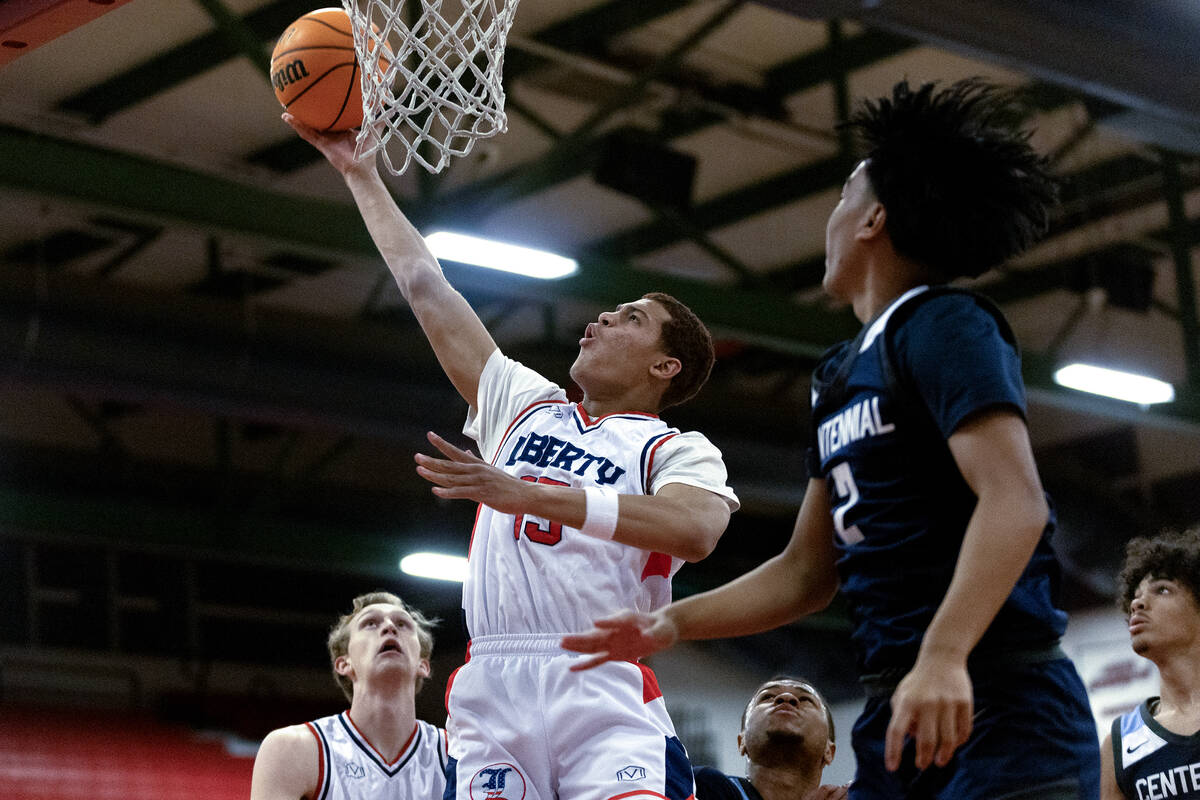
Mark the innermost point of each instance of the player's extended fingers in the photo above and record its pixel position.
(948, 734)
(926, 733)
(450, 451)
(893, 742)
(594, 661)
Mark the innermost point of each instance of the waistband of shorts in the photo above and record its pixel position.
(517, 644)
(981, 666)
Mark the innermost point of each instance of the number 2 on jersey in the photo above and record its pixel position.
(551, 534)
(847, 492)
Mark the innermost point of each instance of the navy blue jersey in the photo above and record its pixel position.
(1150, 761)
(712, 784)
(884, 406)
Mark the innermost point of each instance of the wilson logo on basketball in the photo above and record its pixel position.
(288, 74)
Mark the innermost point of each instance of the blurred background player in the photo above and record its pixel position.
(924, 501)
(787, 737)
(378, 749)
(585, 509)
(1154, 750)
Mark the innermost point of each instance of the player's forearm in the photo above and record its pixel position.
(775, 593)
(414, 267)
(686, 527)
(1000, 539)
(459, 339)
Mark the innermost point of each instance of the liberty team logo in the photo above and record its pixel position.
(355, 770)
(498, 782)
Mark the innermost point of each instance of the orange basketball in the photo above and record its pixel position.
(315, 72)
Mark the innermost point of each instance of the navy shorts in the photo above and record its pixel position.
(1033, 738)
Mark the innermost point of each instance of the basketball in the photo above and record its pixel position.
(315, 72)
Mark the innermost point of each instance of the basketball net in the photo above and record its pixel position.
(431, 77)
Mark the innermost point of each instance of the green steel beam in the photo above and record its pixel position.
(125, 184)
(239, 35)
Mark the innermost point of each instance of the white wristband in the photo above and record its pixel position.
(602, 509)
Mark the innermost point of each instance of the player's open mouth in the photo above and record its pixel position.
(390, 647)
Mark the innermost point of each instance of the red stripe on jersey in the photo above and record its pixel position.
(644, 793)
(450, 682)
(650, 690)
(657, 564)
(650, 461)
(367, 742)
(320, 758)
(589, 421)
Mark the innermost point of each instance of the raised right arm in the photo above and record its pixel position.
(801, 580)
(458, 337)
(286, 767)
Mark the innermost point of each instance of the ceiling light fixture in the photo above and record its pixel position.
(438, 566)
(1128, 386)
(499, 255)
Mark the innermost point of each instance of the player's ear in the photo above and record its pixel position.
(666, 367)
(830, 749)
(741, 745)
(423, 668)
(873, 222)
(342, 666)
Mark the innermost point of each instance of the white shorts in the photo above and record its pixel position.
(524, 727)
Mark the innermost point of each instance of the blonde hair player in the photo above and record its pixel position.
(585, 508)
(378, 749)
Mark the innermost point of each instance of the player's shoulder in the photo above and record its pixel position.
(286, 764)
(290, 740)
(943, 302)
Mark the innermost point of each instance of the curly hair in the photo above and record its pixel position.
(339, 634)
(684, 337)
(1172, 555)
(962, 187)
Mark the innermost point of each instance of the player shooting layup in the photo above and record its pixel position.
(585, 509)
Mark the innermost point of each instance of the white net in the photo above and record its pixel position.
(431, 77)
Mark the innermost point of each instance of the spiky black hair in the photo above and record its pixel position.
(962, 187)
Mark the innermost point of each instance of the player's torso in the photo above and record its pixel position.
(1153, 762)
(900, 504)
(531, 575)
(351, 769)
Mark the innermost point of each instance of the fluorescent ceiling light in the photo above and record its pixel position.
(435, 565)
(1115, 383)
(498, 255)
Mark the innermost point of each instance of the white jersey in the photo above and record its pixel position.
(529, 575)
(352, 769)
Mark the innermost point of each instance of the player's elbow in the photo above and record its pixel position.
(702, 533)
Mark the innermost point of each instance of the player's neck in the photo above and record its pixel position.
(640, 400)
(386, 721)
(784, 783)
(888, 276)
(1179, 689)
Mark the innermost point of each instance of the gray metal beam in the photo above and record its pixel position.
(1099, 47)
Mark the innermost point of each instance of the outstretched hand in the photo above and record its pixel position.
(462, 475)
(338, 148)
(627, 636)
(934, 705)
